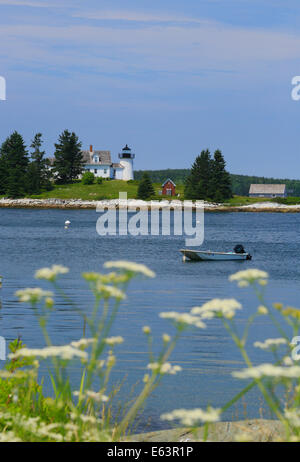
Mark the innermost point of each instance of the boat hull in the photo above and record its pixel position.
(198, 255)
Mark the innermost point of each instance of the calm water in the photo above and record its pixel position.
(31, 239)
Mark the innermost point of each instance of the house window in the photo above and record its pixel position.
(95, 171)
(169, 192)
(96, 159)
(105, 171)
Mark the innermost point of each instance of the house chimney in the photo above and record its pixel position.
(91, 148)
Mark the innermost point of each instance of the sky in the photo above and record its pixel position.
(169, 78)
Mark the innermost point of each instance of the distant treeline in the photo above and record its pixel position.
(240, 183)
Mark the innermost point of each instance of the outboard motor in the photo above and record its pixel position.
(239, 249)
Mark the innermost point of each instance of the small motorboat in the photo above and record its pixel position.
(200, 255)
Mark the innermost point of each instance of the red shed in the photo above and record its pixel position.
(169, 188)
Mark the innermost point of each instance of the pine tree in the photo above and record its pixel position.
(68, 163)
(39, 174)
(198, 184)
(145, 189)
(13, 166)
(221, 183)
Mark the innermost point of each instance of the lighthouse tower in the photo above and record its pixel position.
(126, 160)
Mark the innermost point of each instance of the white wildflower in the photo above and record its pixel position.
(66, 352)
(131, 267)
(50, 274)
(183, 319)
(250, 276)
(166, 338)
(110, 291)
(147, 330)
(287, 361)
(262, 309)
(268, 370)
(95, 396)
(293, 416)
(193, 416)
(83, 343)
(270, 343)
(217, 307)
(33, 295)
(165, 368)
(114, 340)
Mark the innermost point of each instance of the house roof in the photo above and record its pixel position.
(169, 179)
(104, 157)
(267, 189)
(117, 166)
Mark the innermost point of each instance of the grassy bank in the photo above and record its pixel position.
(106, 190)
(111, 189)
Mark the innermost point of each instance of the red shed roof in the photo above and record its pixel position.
(167, 181)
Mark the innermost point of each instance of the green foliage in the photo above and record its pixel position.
(88, 178)
(68, 163)
(81, 411)
(208, 179)
(198, 184)
(99, 180)
(145, 188)
(13, 166)
(220, 179)
(240, 183)
(38, 172)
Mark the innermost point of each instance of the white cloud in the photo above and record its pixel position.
(37, 4)
(133, 16)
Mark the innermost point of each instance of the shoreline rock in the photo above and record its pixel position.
(270, 207)
(254, 430)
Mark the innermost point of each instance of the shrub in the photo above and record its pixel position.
(99, 180)
(88, 178)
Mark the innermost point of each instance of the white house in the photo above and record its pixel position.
(101, 165)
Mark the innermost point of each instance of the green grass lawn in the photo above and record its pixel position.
(106, 190)
(245, 200)
(111, 190)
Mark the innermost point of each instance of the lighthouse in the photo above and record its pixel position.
(126, 160)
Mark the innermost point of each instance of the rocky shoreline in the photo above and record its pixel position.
(252, 430)
(143, 205)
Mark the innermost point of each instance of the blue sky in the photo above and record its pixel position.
(169, 78)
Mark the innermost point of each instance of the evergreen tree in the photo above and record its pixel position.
(220, 182)
(198, 184)
(13, 166)
(68, 163)
(39, 174)
(145, 189)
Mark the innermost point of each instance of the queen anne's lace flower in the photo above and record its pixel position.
(165, 368)
(83, 343)
(114, 340)
(50, 274)
(250, 276)
(110, 291)
(217, 307)
(193, 416)
(270, 343)
(183, 319)
(131, 267)
(268, 370)
(34, 295)
(66, 352)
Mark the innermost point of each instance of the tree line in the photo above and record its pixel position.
(208, 178)
(23, 172)
(240, 183)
